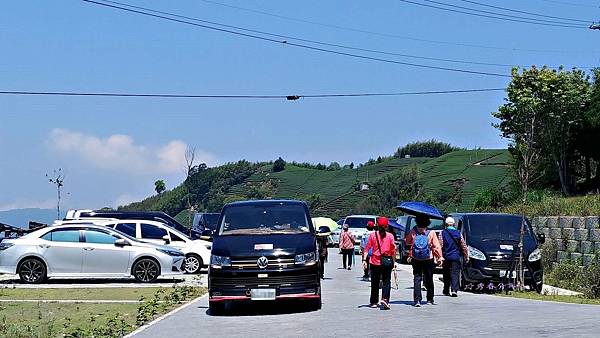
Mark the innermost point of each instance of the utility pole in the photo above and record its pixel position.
(58, 179)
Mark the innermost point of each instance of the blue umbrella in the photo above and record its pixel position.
(420, 209)
(396, 225)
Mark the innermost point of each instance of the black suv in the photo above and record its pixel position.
(493, 241)
(264, 250)
(205, 223)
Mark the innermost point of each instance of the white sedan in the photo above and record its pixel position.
(86, 251)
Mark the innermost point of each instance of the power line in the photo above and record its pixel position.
(503, 18)
(571, 4)
(388, 35)
(173, 18)
(283, 97)
(525, 12)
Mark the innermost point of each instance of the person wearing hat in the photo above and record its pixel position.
(454, 250)
(382, 262)
(363, 244)
(347, 247)
(423, 246)
(322, 235)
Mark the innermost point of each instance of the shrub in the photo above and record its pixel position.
(278, 165)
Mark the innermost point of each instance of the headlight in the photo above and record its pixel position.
(208, 246)
(476, 254)
(171, 252)
(536, 255)
(4, 246)
(306, 259)
(219, 261)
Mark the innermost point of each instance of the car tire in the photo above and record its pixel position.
(32, 271)
(192, 264)
(146, 270)
(216, 308)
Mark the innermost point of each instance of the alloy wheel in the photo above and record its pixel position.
(191, 264)
(146, 271)
(32, 271)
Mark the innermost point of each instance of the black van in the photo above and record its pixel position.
(493, 242)
(264, 250)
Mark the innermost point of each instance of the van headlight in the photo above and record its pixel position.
(306, 259)
(476, 254)
(536, 255)
(173, 253)
(219, 261)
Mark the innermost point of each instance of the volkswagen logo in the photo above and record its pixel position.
(262, 262)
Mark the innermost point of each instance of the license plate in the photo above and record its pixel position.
(503, 273)
(262, 294)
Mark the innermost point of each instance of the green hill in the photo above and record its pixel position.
(454, 178)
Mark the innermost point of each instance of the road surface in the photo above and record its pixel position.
(346, 313)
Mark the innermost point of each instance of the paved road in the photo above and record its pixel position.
(345, 314)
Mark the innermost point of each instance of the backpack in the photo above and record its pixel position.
(420, 248)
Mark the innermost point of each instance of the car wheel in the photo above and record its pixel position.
(32, 271)
(146, 270)
(192, 264)
(216, 308)
(316, 304)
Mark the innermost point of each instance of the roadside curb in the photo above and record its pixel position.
(166, 315)
(71, 301)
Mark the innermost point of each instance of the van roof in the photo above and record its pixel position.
(266, 202)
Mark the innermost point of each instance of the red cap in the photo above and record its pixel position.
(370, 224)
(383, 222)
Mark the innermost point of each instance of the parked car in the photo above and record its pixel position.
(357, 224)
(197, 252)
(408, 221)
(264, 250)
(493, 243)
(335, 235)
(86, 251)
(205, 223)
(141, 215)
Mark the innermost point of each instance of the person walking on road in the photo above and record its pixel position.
(363, 244)
(324, 232)
(382, 262)
(424, 247)
(454, 250)
(347, 247)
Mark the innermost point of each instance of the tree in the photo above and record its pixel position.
(58, 179)
(333, 166)
(279, 165)
(555, 101)
(190, 156)
(160, 186)
(431, 148)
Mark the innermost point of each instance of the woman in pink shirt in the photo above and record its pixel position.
(347, 247)
(383, 252)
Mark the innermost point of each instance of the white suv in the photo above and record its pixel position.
(197, 252)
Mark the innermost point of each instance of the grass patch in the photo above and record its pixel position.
(554, 298)
(36, 319)
(79, 294)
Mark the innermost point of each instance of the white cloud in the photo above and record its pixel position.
(120, 153)
(26, 204)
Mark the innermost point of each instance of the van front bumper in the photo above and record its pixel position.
(497, 271)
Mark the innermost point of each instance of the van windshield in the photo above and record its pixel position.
(212, 221)
(264, 219)
(497, 228)
(358, 222)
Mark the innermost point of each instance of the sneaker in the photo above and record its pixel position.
(454, 294)
(446, 293)
(374, 306)
(417, 304)
(430, 302)
(349, 268)
(385, 305)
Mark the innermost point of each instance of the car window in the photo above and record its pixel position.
(127, 228)
(175, 238)
(150, 231)
(99, 237)
(62, 235)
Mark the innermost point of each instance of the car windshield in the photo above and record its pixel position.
(133, 239)
(212, 221)
(358, 222)
(270, 218)
(496, 227)
(436, 224)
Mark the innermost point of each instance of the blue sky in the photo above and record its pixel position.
(114, 148)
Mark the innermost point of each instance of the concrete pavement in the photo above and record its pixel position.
(345, 314)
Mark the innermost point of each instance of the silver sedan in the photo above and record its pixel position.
(86, 251)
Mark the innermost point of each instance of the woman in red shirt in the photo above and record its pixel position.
(383, 248)
(347, 247)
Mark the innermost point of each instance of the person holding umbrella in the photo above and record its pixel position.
(322, 235)
(424, 247)
(382, 262)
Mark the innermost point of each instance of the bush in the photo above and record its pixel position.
(572, 276)
(431, 148)
(549, 250)
(278, 165)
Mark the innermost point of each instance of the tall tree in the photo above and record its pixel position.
(190, 156)
(160, 186)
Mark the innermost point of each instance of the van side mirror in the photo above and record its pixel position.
(166, 239)
(121, 242)
(541, 238)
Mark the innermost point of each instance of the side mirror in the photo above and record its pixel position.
(167, 239)
(541, 238)
(122, 242)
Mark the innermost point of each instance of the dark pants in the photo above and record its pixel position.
(347, 256)
(451, 276)
(423, 272)
(366, 275)
(383, 274)
(322, 261)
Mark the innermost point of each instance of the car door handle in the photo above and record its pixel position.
(88, 249)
